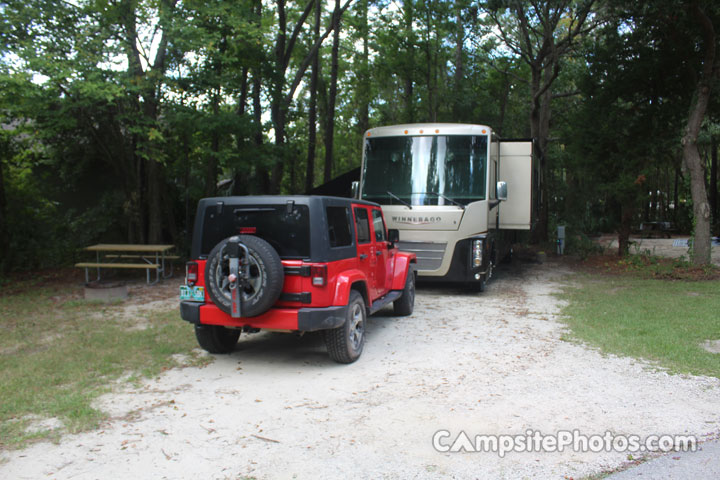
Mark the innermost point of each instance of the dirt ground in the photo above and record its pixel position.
(491, 363)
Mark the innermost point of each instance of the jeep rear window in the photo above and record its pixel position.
(287, 232)
(378, 226)
(362, 225)
(339, 226)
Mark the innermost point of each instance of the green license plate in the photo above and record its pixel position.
(195, 294)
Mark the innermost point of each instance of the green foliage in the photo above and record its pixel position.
(138, 109)
(623, 140)
(581, 245)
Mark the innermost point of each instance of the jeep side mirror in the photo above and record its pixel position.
(502, 191)
(354, 189)
(393, 235)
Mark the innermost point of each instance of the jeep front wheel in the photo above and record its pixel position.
(264, 282)
(404, 305)
(345, 343)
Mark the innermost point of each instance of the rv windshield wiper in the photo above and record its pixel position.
(455, 202)
(399, 199)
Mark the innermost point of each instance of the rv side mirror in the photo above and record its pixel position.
(501, 191)
(355, 186)
(393, 235)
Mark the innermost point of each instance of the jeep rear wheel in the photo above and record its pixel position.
(345, 343)
(262, 287)
(404, 305)
(216, 339)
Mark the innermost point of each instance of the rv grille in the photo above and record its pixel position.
(429, 255)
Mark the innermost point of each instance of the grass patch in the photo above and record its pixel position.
(661, 321)
(59, 353)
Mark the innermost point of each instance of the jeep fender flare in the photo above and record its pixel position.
(401, 268)
(344, 284)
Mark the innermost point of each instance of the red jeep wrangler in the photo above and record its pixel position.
(296, 263)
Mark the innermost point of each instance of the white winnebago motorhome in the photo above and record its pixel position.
(457, 193)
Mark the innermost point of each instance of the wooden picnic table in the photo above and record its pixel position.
(148, 257)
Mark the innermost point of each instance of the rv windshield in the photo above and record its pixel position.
(425, 170)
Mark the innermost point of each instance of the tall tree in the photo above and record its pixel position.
(4, 234)
(149, 74)
(363, 90)
(691, 156)
(714, 180)
(312, 109)
(408, 59)
(332, 95)
(541, 34)
(282, 91)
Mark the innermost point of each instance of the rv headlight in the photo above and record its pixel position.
(477, 253)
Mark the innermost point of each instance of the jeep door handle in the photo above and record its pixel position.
(378, 253)
(363, 256)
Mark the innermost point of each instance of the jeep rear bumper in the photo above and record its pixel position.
(300, 319)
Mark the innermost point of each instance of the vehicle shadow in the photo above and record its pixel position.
(515, 269)
(294, 348)
(278, 347)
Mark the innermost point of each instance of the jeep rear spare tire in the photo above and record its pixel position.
(264, 282)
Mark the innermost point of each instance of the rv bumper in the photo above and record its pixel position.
(463, 266)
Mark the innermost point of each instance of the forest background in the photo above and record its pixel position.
(117, 116)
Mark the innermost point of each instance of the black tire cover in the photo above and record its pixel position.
(266, 276)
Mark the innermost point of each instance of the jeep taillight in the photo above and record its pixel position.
(318, 273)
(191, 273)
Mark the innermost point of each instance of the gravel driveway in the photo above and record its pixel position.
(491, 363)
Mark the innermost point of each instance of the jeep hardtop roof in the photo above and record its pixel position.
(296, 225)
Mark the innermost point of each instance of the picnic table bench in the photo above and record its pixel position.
(149, 257)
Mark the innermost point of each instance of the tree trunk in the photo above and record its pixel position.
(691, 155)
(154, 181)
(283, 50)
(504, 99)
(409, 95)
(277, 112)
(148, 201)
(714, 180)
(137, 199)
(240, 172)
(312, 113)
(676, 195)
(459, 77)
(169, 216)
(364, 82)
(211, 168)
(4, 233)
(261, 171)
(626, 216)
(430, 63)
(541, 79)
(186, 189)
(330, 119)
(155, 206)
(541, 45)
